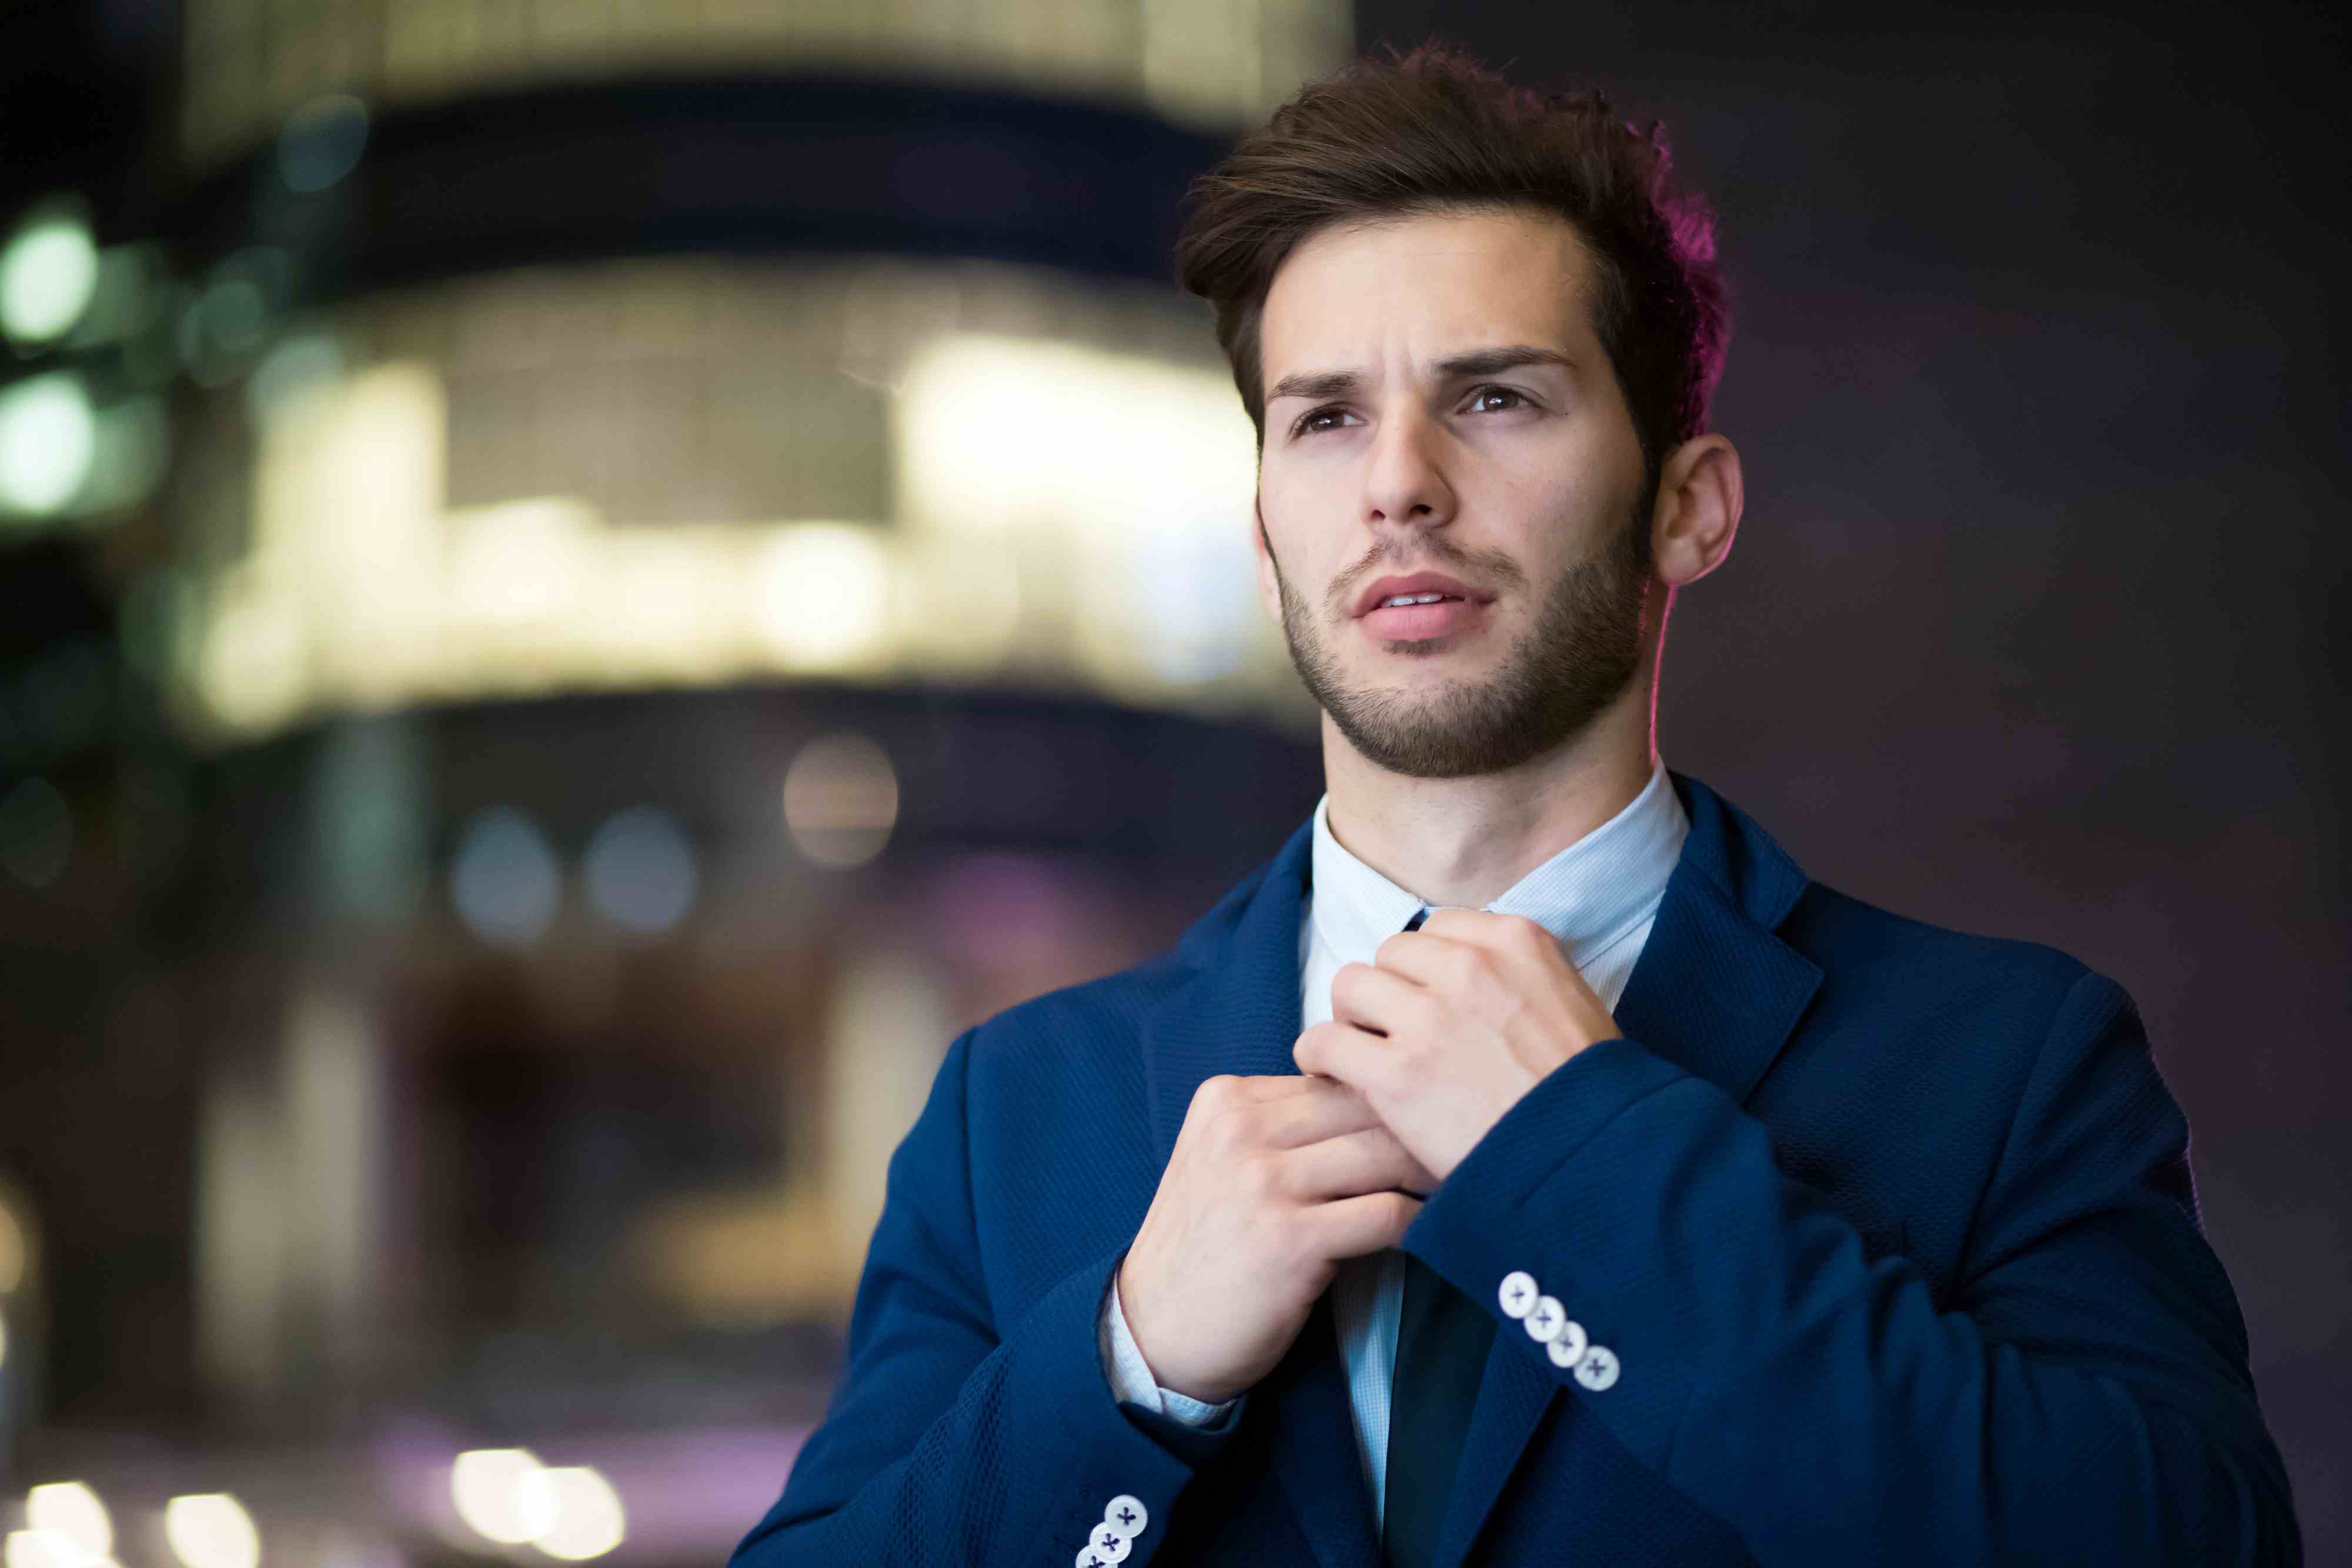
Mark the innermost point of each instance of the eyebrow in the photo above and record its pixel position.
(1460, 367)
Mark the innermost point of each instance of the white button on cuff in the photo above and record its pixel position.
(1544, 1322)
(1518, 1293)
(1106, 1546)
(1127, 1515)
(1567, 1349)
(1598, 1370)
(1090, 1558)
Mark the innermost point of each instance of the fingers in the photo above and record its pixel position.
(1426, 959)
(1280, 1111)
(1354, 1225)
(1374, 998)
(1351, 1164)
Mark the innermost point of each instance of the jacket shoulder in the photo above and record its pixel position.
(1857, 942)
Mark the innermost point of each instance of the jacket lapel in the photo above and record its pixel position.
(1238, 1012)
(1237, 1009)
(1715, 992)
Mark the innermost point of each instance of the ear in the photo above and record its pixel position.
(1700, 492)
(1269, 582)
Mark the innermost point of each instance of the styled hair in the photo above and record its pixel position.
(1434, 130)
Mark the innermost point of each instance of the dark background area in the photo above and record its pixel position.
(2032, 625)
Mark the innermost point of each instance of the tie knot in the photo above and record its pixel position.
(1418, 916)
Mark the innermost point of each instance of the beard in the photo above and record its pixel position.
(1583, 650)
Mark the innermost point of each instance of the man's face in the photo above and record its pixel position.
(1441, 419)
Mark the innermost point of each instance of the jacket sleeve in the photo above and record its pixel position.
(1130, 1375)
(950, 1443)
(2082, 1397)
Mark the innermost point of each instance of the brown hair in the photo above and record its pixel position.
(1433, 129)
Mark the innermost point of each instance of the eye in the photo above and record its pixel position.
(1309, 422)
(1478, 403)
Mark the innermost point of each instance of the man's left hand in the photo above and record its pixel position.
(1449, 1025)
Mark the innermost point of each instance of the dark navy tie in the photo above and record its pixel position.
(1442, 1337)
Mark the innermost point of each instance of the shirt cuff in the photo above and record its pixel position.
(1130, 1375)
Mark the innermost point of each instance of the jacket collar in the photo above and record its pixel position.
(1706, 994)
(1715, 992)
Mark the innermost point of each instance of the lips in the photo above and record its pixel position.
(1376, 594)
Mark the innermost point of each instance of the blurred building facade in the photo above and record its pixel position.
(666, 557)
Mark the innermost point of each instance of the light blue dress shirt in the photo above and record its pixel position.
(1600, 896)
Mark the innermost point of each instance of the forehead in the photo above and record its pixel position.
(1425, 285)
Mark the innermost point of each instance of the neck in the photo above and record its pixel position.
(1468, 840)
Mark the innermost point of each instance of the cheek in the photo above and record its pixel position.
(1306, 529)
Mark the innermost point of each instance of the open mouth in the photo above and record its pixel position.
(1417, 607)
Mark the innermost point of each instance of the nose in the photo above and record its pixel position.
(1405, 484)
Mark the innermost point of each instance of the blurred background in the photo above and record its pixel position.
(585, 582)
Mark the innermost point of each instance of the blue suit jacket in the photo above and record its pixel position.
(1890, 1227)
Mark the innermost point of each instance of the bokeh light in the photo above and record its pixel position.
(321, 141)
(840, 800)
(296, 368)
(211, 1529)
(640, 871)
(47, 272)
(824, 594)
(41, 1549)
(496, 1497)
(72, 1510)
(505, 879)
(587, 1518)
(48, 437)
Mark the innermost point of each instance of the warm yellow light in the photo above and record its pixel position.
(252, 666)
(495, 1496)
(40, 1549)
(840, 800)
(588, 1521)
(1001, 434)
(211, 1529)
(1134, 474)
(72, 1510)
(525, 561)
(823, 593)
(960, 605)
(3, 1340)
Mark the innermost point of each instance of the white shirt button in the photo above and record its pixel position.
(1598, 1370)
(1104, 1547)
(1567, 1349)
(1518, 1293)
(1127, 1515)
(1543, 1322)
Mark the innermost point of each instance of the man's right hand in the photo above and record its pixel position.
(1272, 1181)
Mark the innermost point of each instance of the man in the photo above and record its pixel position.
(1529, 1164)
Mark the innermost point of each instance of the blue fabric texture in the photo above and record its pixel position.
(1891, 1228)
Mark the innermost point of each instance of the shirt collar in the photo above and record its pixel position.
(1590, 895)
